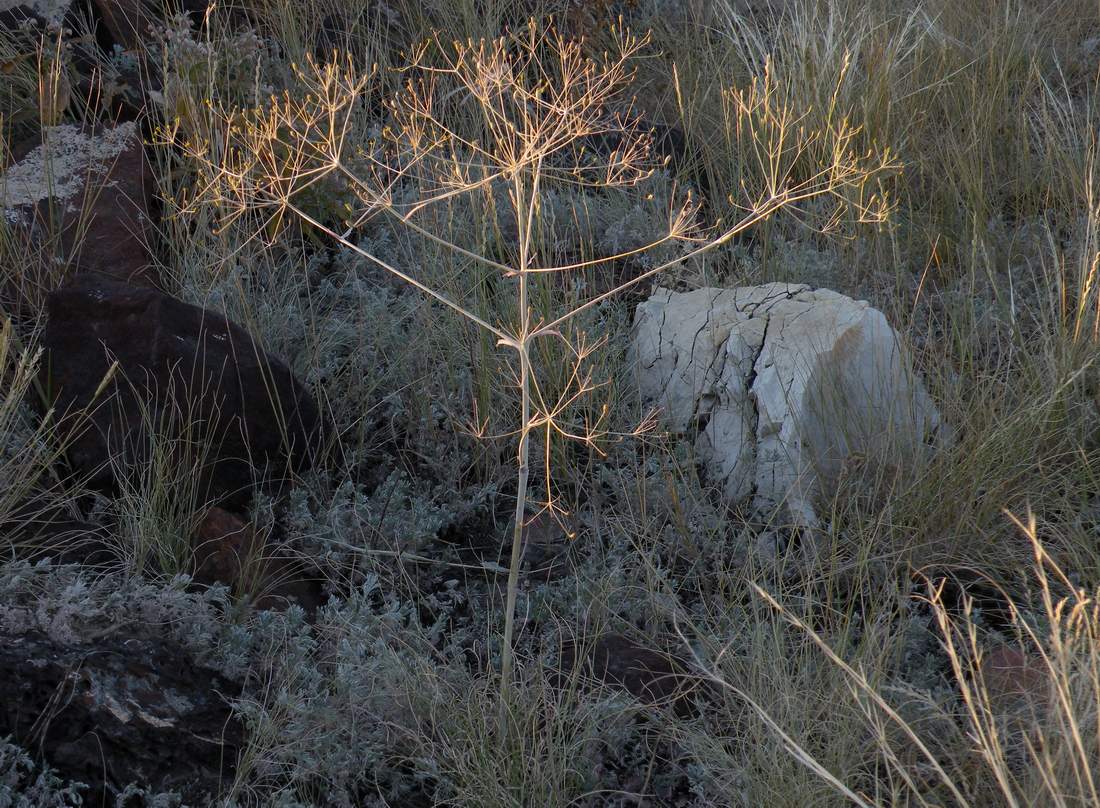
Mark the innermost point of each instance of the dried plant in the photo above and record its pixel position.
(531, 112)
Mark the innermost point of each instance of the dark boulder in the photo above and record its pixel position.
(45, 524)
(120, 710)
(186, 378)
(129, 22)
(83, 197)
(651, 676)
(227, 550)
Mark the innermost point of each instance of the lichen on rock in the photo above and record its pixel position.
(58, 169)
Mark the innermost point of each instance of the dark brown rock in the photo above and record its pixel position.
(653, 677)
(229, 551)
(127, 21)
(117, 231)
(1014, 679)
(120, 710)
(223, 545)
(186, 372)
(43, 527)
(83, 197)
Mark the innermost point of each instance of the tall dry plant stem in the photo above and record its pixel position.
(523, 114)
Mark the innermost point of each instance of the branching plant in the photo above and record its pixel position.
(517, 118)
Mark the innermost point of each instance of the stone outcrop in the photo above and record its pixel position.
(781, 385)
(227, 550)
(87, 196)
(1015, 680)
(118, 710)
(653, 677)
(183, 370)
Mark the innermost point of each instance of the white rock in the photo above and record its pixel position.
(786, 383)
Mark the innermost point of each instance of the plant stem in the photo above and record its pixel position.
(524, 207)
(517, 539)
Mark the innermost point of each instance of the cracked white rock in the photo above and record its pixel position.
(784, 384)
